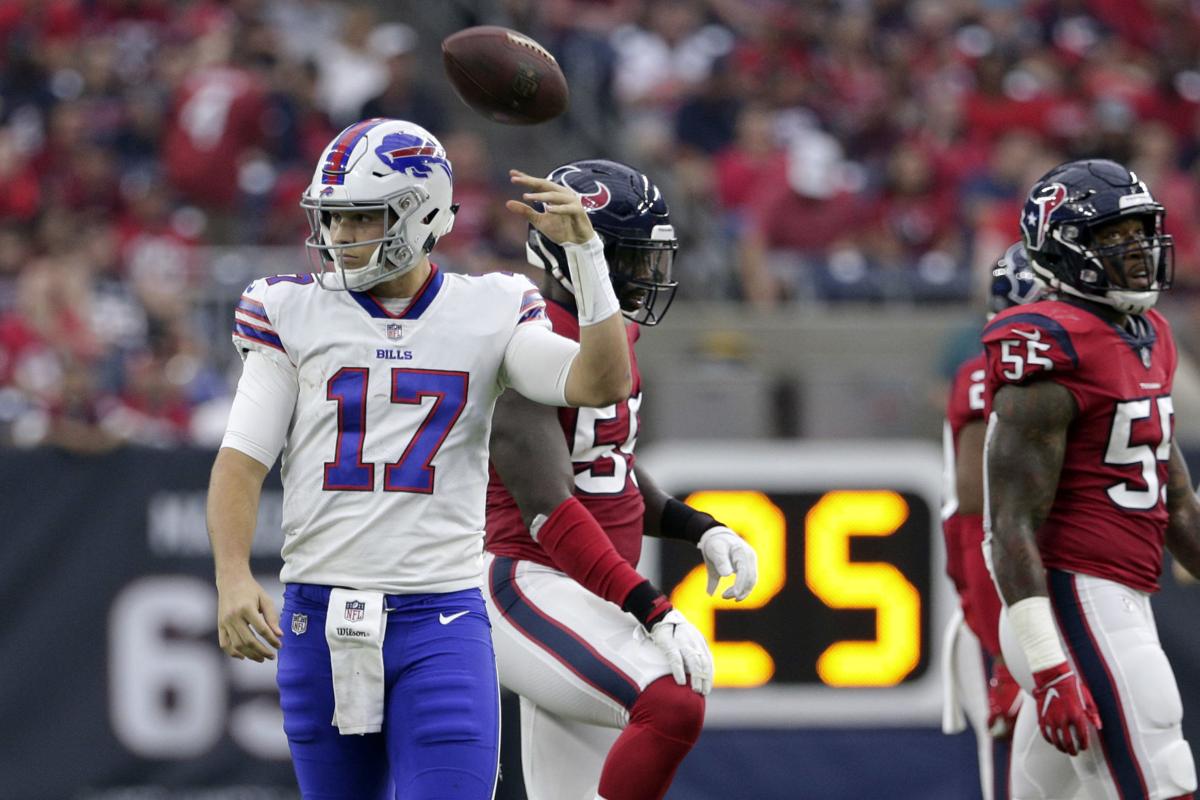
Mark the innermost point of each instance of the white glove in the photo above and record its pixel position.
(686, 651)
(724, 554)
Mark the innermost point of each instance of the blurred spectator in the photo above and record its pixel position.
(827, 151)
(577, 33)
(659, 63)
(23, 192)
(707, 120)
(157, 242)
(992, 197)
(216, 120)
(476, 195)
(750, 163)
(402, 97)
(153, 409)
(352, 65)
(796, 222)
(1156, 160)
(915, 217)
(673, 51)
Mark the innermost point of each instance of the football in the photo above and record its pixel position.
(504, 75)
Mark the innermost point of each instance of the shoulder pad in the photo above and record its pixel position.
(1023, 345)
(253, 328)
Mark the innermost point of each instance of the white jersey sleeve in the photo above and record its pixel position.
(537, 360)
(255, 322)
(263, 406)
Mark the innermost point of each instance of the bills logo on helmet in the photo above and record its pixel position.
(403, 152)
(594, 198)
(327, 191)
(1036, 221)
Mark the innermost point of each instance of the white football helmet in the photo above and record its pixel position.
(386, 165)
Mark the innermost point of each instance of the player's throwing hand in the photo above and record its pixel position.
(562, 219)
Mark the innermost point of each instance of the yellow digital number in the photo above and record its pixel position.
(761, 523)
(842, 583)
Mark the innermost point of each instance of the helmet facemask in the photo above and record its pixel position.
(1101, 270)
(640, 270)
(394, 255)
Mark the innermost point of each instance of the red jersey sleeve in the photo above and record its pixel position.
(1023, 346)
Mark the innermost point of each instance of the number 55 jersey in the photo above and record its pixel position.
(601, 442)
(1109, 513)
(385, 465)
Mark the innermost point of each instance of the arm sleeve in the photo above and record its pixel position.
(263, 406)
(983, 604)
(537, 362)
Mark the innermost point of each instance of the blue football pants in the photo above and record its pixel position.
(441, 728)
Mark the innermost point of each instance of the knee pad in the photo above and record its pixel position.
(670, 710)
(1158, 711)
(1174, 764)
(1152, 684)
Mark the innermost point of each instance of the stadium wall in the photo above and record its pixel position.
(115, 687)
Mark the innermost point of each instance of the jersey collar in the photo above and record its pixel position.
(421, 300)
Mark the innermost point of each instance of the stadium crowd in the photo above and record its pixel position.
(861, 150)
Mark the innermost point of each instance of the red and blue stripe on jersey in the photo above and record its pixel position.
(250, 321)
(533, 307)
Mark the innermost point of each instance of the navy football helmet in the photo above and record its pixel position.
(1013, 281)
(1062, 213)
(631, 217)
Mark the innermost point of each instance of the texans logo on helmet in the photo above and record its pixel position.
(403, 152)
(593, 200)
(1049, 198)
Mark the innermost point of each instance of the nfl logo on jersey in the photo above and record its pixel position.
(394, 330)
(355, 610)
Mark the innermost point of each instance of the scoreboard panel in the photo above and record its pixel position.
(845, 624)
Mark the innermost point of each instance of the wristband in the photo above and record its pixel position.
(1032, 624)
(595, 299)
(681, 521)
(647, 603)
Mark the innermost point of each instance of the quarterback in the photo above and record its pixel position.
(375, 377)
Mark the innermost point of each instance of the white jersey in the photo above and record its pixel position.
(385, 463)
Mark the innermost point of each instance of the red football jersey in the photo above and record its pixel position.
(601, 441)
(1109, 514)
(964, 404)
(964, 532)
